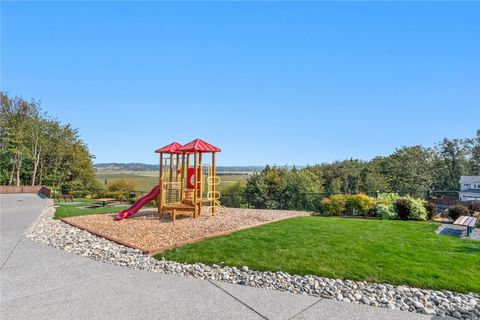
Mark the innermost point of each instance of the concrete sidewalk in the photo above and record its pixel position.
(39, 282)
(17, 213)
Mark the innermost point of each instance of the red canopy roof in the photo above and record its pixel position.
(199, 145)
(171, 148)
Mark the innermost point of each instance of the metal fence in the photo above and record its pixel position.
(312, 201)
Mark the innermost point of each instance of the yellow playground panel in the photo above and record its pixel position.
(186, 183)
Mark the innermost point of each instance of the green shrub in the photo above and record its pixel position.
(233, 196)
(118, 189)
(385, 211)
(360, 203)
(119, 195)
(338, 204)
(80, 193)
(132, 200)
(403, 208)
(325, 207)
(431, 210)
(456, 211)
(384, 206)
(121, 185)
(417, 209)
(100, 194)
(335, 205)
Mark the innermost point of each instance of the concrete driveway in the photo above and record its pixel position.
(40, 282)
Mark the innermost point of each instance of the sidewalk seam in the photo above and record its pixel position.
(231, 295)
(14, 248)
(301, 311)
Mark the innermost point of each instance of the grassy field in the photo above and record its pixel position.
(65, 210)
(145, 181)
(396, 252)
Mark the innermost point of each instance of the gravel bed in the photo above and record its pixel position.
(57, 234)
(145, 231)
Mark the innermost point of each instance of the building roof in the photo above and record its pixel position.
(469, 179)
(198, 145)
(170, 148)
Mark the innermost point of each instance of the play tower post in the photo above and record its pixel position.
(195, 171)
(160, 183)
(182, 177)
(214, 176)
(198, 147)
(171, 150)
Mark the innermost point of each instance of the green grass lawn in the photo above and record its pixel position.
(65, 210)
(396, 252)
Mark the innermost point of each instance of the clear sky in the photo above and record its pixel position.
(278, 83)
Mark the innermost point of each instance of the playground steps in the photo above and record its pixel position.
(178, 206)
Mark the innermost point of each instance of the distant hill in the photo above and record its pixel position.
(115, 167)
(133, 166)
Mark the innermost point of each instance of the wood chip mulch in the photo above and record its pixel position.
(146, 232)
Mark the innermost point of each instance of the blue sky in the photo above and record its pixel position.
(277, 83)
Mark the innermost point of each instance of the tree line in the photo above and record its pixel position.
(411, 170)
(38, 150)
(407, 169)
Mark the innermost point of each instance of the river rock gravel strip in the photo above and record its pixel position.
(60, 235)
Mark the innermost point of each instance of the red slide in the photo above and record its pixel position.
(138, 204)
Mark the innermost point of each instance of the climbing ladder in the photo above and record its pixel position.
(171, 186)
(171, 192)
(213, 194)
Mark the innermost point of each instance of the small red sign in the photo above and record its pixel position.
(191, 177)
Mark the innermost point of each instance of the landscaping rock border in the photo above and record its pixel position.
(60, 235)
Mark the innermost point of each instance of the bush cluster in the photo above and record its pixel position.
(119, 195)
(118, 189)
(352, 204)
(386, 206)
(80, 193)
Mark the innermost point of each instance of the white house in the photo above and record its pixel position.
(469, 188)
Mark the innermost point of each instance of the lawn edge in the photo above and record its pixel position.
(153, 251)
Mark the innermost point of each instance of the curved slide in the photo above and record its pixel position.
(139, 204)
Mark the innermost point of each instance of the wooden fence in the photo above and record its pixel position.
(26, 189)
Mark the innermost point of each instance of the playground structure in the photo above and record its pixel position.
(186, 183)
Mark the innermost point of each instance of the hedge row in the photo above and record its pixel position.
(390, 206)
(386, 206)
